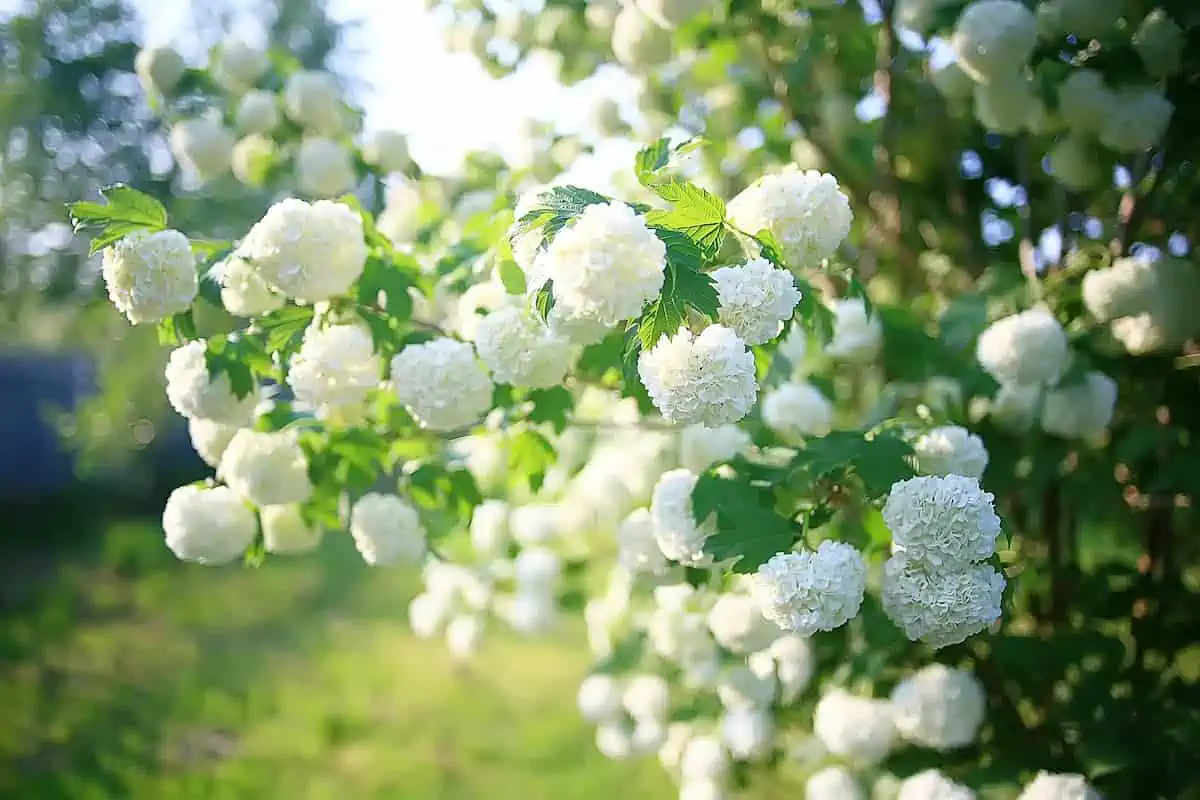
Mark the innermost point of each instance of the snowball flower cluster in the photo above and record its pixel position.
(679, 536)
(755, 298)
(253, 156)
(520, 350)
(209, 439)
(442, 383)
(637, 547)
(701, 446)
(1027, 348)
(859, 729)
(387, 150)
(239, 66)
(1008, 103)
(1082, 410)
(605, 266)
(266, 468)
(941, 521)
(309, 251)
(150, 276)
(1121, 290)
(489, 528)
(208, 525)
(204, 145)
(813, 590)
(804, 209)
(797, 409)
(1084, 101)
(939, 707)
(941, 608)
(286, 533)
(707, 379)
(159, 68)
(243, 291)
(1059, 786)
(833, 783)
(257, 112)
(738, 625)
(314, 101)
(932, 785)
(857, 335)
(1149, 303)
(1160, 43)
(1073, 164)
(672, 13)
(748, 733)
(324, 168)
(993, 37)
(636, 41)
(386, 530)
(951, 450)
(194, 393)
(1138, 119)
(334, 369)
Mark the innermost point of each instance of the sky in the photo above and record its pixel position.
(446, 102)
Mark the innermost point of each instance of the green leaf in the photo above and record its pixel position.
(879, 460)
(512, 276)
(856, 289)
(770, 248)
(210, 248)
(256, 554)
(391, 278)
(748, 528)
(530, 454)
(543, 301)
(124, 211)
(963, 320)
(651, 159)
(695, 212)
(554, 208)
(625, 655)
(818, 317)
(232, 355)
(371, 233)
(284, 329)
(436, 484)
(684, 287)
(177, 329)
(552, 406)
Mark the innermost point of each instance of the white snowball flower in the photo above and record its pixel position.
(203, 145)
(1086, 19)
(1082, 410)
(756, 298)
(932, 785)
(257, 112)
(150, 276)
(637, 42)
(324, 168)
(314, 101)
(678, 535)
(1073, 163)
(537, 569)
(1059, 786)
(1124, 289)
(267, 468)
(647, 697)
(994, 36)
(614, 740)
(1084, 101)
(605, 266)
(310, 251)
(797, 409)
(941, 608)
(209, 439)
(804, 209)
(813, 590)
(857, 336)
(194, 393)
(704, 758)
(463, 636)
(952, 81)
(951, 450)
(442, 383)
(795, 664)
(833, 783)
(253, 157)
(637, 547)
(939, 707)
(701, 446)
(520, 350)
(748, 733)
(1027, 348)
(238, 66)
(427, 613)
(671, 751)
(489, 528)
(738, 625)
(386, 529)
(208, 525)
(1160, 43)
(941, 521)
(859, 729)
(1014, 408)
(335, 368)
(159, 68)
(531, 612)
(535, 523)
(1137, 120)
(286, 533)
(648, 736)
(243, 291)
(703, 790)
(599, 698)
(672, 13)
(707, 379)
(387, 150)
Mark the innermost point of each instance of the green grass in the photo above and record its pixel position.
(125, 674)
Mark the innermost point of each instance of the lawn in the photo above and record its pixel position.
(125, 674)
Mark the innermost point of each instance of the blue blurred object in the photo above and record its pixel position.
(33, 386)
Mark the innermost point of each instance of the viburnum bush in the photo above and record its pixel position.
(849, 489)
